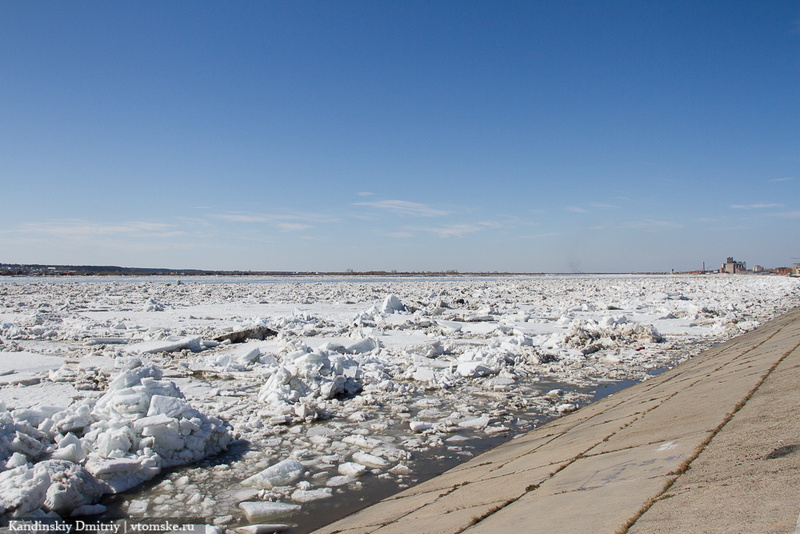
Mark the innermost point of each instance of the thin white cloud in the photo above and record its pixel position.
(452, 230)
(293, 227)
(595, 205)
(242, 218)
(758, 206)
(784, 179)
(365, 194)
(76, 229)
(405, 208)
(540, 236)
(646, 224)
(292, 222)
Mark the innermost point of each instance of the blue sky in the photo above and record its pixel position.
(574, 136)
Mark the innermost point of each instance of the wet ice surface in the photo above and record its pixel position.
(123, 398)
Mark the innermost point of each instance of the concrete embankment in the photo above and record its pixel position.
(712, 445)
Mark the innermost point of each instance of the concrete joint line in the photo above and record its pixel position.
(442, 494)
(685, 466)
(563, 466)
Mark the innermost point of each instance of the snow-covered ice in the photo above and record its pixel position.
(281, 395)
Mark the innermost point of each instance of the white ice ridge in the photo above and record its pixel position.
(63, 461)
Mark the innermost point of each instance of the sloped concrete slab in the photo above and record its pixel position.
(445, 523)
(495, 490)
(746, 479)
(385, 512)
(638, 463)
(591, 511)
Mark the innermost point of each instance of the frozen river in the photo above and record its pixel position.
(137, 398)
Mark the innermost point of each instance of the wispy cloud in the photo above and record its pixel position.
(593, 205)
(241, 217)
(759, 206)
(404, 207)
(645, 224)
(288, 223)
(784, 179)
(452, 230)
(293, 227)
(577, 209)
(540, 236)
(77, 229)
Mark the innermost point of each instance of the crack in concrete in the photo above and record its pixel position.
(632, 521)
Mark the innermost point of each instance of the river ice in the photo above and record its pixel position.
(106, 384)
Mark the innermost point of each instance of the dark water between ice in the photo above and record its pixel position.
(427, 464)
(318, 514)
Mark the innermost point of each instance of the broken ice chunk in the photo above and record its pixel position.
(477, 422)
(256, 332)
(392, 304)
(169, 406)
(474, 369)
(280, 474)
(124, 473)
(400, 469)
(71, 486)
(341, 480)
(256, 511)
(70, 448)
(304, 496)
(363, 345)
(170, 344)
(351, 469)
(362, 441)
(262, 529)
(566, 408)
(421, 426)
(370, 460)
(26, 445)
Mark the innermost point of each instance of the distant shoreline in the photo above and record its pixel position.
(9, 270)
(36, 270)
